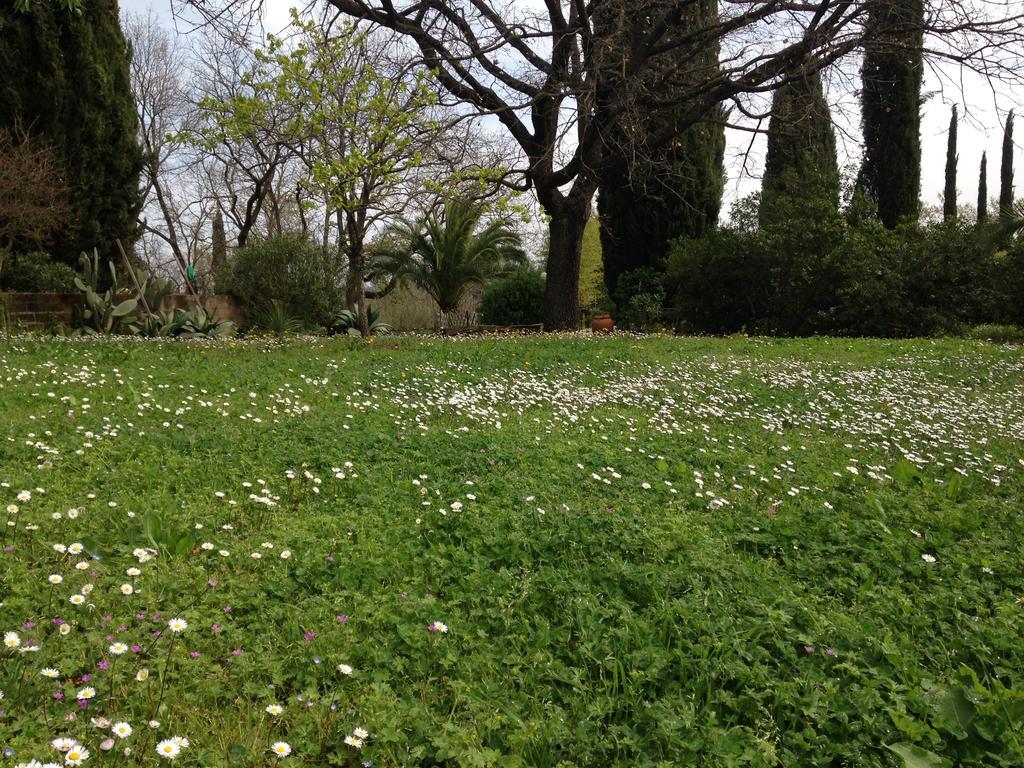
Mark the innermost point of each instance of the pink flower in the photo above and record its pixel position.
(808, 649)
(310, 635)
(342, 618)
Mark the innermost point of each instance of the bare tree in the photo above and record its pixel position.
(560, 75)
(162, 102)
(33, 197)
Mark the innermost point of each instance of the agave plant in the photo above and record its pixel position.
(446, 255)
(347, 321)
(199, 324)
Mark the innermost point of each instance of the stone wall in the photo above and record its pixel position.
(39, 311)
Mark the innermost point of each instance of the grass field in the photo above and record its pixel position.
(538, 552)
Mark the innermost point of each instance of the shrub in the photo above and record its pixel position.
(303, 277)
(640, 297)
(36, 272)
(810, 270)
(515, 299)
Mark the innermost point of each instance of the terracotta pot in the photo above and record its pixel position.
(602, 323)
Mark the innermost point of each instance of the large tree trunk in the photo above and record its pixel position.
(568, 218)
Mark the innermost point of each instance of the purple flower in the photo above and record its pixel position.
(104, 664)
(140, 616)
(86, 678)
(194, 654)
(237, 652)
(28, 625)
(136, 648)
(57, 620)
(330, 558)
(212, 582)
(58, 695)
(310, 635)
(227, 609)
(8, 549)
(808, 649)
(83, 703)
(830, 651)
(215, 628)
(342, 618)
(107, 618)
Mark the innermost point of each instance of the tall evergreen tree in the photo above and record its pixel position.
(983, 189)
(64, 77)
(218, 248)
(655, 197)
(801, 160)
(1006, 172)
(891, 109)
(949, 194)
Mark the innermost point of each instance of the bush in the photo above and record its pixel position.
(640, 299)
(515, 299)
(36, 272)
(808, 269)
(303, 277)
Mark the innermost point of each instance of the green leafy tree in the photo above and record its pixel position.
(949, 193)
(64, 76)
(801, 158)
(658, 194)
(891, 108)
(445, 255)
(359, 121)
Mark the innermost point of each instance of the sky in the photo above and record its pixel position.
(982, 109)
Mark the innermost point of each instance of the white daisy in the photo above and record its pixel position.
(281, 748)
(168, 748)
(122, 730)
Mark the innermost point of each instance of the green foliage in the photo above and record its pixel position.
(302, 276)
(843, 275)
(593, 291)
(192, 323)
(36, 272)
(447, 254)
(347, 321)
(110, 312)
(891, 109)
(640, 299)
(65, 76)
(275, 317)
(983, 189)
(1006, 171)
(801, 157)
(515, 299)
(658, 194)
(949, 190)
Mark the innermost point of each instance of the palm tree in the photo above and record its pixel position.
(445, 255)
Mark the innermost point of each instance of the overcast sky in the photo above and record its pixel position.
(982, 115)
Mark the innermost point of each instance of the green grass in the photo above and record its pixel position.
(764, 602)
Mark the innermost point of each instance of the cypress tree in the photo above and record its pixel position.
(218, 248)
(949, 195)
(801, 160)
(64, 76)
(662, 194)
(891, 109)
(1006, 172)
(983, 190)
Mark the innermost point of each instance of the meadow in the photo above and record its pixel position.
(512, 552)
